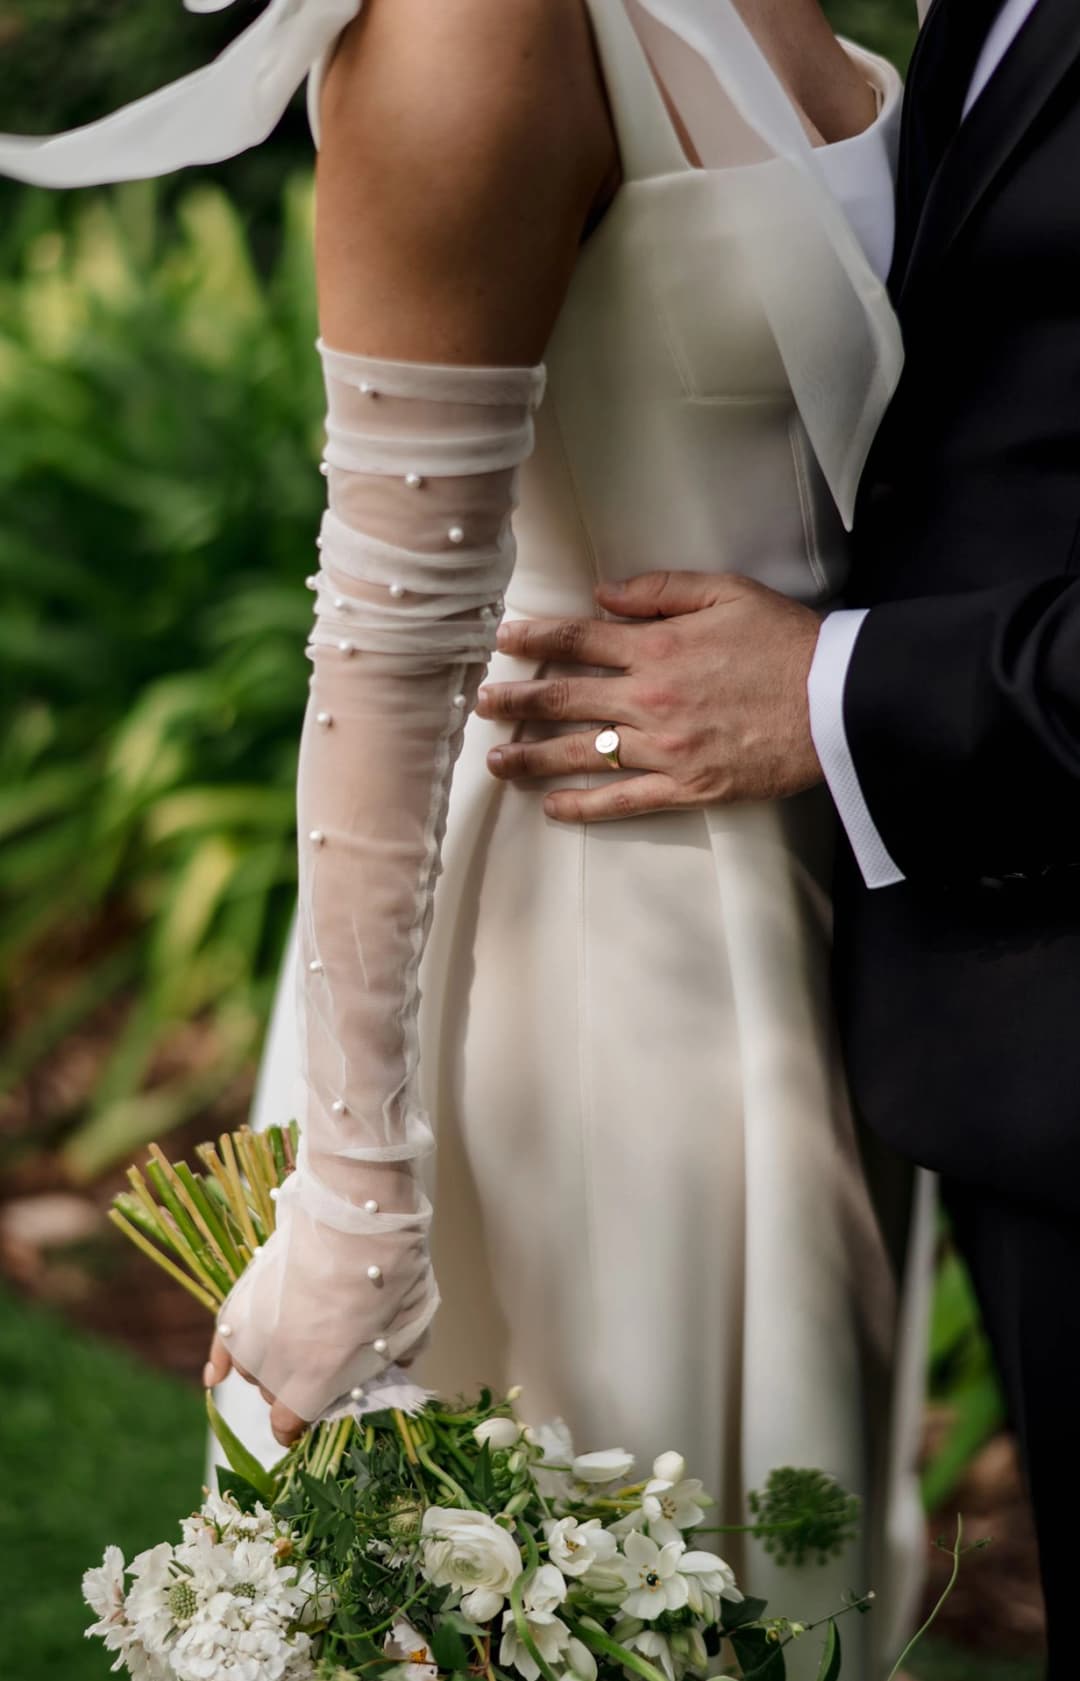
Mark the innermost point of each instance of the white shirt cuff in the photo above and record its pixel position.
(825, 690)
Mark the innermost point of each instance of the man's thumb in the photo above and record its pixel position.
(658, 594)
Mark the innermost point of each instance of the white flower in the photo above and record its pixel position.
(652, 1645)
(576, 1547)
(498, 1433)
(651, 1574)
(669, 1467)
(607, 1466)
(673, 1506)
(708, 1579)
(556, 1448)
(580, 1663)
(545, 1591)
(549, 1635)
(103, 1591)
(417, 1660)
(471, 1552)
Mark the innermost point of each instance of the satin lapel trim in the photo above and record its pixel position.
(1043, 53)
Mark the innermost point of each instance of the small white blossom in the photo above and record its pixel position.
(580, 1663)
(469, 1551)
(549, 1635)
(709, 1579)
(556, 1448)
(607, 1466)
(416, 1659)
(651, 1574)
(669, 1467)
(499, 1433)
(576, 1547)
(671, 1507)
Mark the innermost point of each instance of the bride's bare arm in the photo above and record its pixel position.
(463, 147)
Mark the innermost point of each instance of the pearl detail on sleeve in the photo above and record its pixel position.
(367, 389)
(224, 1330)
(316, 837)
(312, 580)
(356, 1394)
(380, 1345)
(315, 966)
(324, 468)
(275, 1192)
(460, 701)
(340, 604)
(347, 648)
(371, 1206)
(325, 719)
(456, 534)
(414, 480)
(397, 591)
(338, 1106)
(375, 1274)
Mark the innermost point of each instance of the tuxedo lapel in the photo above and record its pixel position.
(1046, 49)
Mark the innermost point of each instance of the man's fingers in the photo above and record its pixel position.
(588, 641)
(286, 1425)
(568, 755)
(218, 1366)
(668, 593)
(630, 796)
(558, 699)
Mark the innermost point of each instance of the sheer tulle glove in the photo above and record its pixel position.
(416, 548)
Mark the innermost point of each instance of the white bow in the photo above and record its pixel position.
(213, 113)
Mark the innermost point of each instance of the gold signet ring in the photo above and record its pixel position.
(607, 744)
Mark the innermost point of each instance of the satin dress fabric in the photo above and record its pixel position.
(650, 1204)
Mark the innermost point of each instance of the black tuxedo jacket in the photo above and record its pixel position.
(959, 990)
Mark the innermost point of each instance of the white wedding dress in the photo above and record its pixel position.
(650, 1209)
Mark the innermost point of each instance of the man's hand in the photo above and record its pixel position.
(710, 699)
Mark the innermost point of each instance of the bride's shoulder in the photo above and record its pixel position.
(464, 68)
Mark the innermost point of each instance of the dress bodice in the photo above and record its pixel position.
(670, 435)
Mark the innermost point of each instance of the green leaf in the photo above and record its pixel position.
(830, 1657)
(243, 1492)
(760, 1659)
(736, 1613)
(241, 1460)
(448, 1648)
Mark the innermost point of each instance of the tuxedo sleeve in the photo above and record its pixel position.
(962, 715)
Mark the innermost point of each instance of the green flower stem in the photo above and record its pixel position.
(212, 1252)
(231, 1257)
(597, 1640)
(250, 1161)
(406, 1436)
(277, 1145)
(202, 1264)
(522, 1628)
(211, 1302)
(346, 1426)
(957, 1553)
(238, 1194)
(441, 1476)
(150, 1208)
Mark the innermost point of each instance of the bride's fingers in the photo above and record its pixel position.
(218, 1366)
(571, 755)
(286, 1425)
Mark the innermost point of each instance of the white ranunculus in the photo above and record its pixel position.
(607, 1466)
(576, 1547)
(671, 1507)
(652, 1577)
(471, 1552)
(580, 1663)
(549, 1635)
(669, 1467)
(499, 1433)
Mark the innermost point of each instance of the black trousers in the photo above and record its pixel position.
(1025, 1266)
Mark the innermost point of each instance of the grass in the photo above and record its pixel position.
(94, 1447)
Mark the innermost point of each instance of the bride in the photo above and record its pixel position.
(600, 288)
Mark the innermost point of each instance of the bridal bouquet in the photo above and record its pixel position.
(429, 1541)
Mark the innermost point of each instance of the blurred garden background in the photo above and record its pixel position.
(160, 406)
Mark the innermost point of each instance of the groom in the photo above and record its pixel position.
(942, 708)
